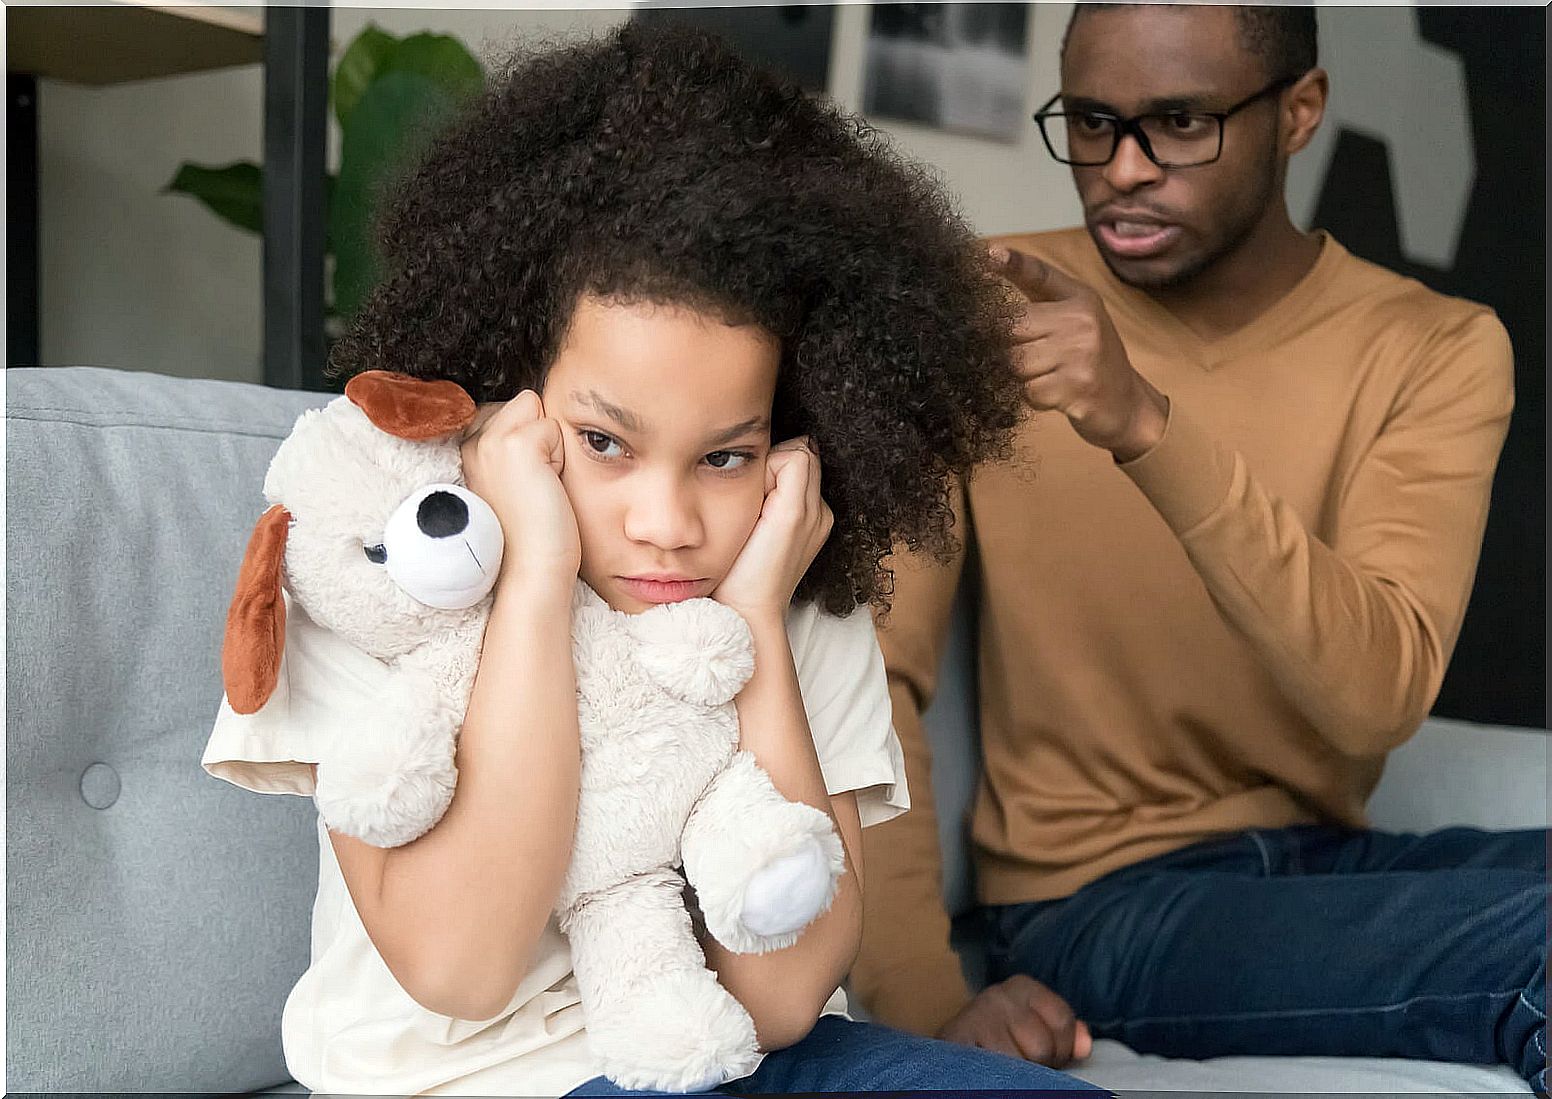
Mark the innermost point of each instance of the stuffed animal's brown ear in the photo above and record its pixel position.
(410, 408)
(256, 621)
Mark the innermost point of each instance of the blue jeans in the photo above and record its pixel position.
(844, 1056)
(1309, 940)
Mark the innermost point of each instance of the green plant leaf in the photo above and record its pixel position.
(233, 193)
(360, 64)
(441, 58)
(394, 116)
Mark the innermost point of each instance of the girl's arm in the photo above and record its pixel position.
(785, 990)
(456, 914)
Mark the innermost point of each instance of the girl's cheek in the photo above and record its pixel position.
(752, 502)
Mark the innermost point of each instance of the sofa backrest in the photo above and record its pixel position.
(156, 917)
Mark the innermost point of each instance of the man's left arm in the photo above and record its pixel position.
(1357, 631)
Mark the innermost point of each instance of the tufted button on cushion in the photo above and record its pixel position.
(99, 786)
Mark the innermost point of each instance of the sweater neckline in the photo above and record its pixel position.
(1262, 331)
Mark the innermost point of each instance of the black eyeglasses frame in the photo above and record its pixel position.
(1133, 126)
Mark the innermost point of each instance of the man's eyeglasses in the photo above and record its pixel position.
(1171, 139)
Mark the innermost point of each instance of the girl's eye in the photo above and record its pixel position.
(605, 446)
(728, 459)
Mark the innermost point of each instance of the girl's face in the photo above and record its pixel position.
(666, 416)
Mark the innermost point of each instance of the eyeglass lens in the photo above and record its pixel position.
(1177, 140)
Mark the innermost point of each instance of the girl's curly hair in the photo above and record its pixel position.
(656, 165)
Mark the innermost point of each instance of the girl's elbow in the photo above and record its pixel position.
(457, 984)
(787, 1020)
(786, 1026)
(458, 996)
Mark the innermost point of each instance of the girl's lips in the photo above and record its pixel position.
(1136, 239)
(650, 590)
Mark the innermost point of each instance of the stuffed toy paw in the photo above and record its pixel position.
(762, 866)
(384, 788)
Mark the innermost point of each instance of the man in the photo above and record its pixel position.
(1210, 606)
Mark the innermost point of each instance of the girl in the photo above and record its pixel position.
(678, 285)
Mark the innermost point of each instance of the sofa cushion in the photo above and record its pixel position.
(1137, 1076)
(156, 918)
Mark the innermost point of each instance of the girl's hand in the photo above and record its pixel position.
(512, 458)
(794, 522)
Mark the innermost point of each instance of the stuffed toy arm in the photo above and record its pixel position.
(385, 770)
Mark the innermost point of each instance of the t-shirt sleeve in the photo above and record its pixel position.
(846, 697)
(322, 680)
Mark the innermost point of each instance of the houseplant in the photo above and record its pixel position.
(386, 93)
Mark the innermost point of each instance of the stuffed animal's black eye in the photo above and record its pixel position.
(377, 554)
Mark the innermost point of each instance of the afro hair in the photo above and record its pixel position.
(656, 165)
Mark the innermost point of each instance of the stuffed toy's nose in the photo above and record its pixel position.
(441, 515)
(442, 545)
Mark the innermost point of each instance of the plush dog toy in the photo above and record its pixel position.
(374, 535)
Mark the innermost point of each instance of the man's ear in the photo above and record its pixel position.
(1305, 108)
(256, 620)
(410, 408)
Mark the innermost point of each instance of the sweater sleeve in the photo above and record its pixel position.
(1356, 631)
(906, 974)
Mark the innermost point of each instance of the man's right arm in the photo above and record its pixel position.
(906, 974)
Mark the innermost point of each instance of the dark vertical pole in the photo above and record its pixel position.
(296, 93)
(21, 220)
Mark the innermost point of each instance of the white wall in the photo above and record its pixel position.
(136, 279)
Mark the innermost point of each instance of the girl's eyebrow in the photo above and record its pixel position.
(622, 416)
(757, 423)
(632, 422)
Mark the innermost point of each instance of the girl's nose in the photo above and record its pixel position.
(663, 515)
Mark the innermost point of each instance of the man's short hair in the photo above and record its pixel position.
(1284, 38)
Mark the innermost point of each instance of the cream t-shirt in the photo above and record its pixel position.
(347, 1026)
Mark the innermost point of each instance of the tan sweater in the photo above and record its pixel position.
(1228, 632)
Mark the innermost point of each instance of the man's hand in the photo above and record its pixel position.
(1022, 1018)
(1072, 360)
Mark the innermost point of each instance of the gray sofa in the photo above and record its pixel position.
(156, 918)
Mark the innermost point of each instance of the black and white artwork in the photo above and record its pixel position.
(958, 67)
(793, 39)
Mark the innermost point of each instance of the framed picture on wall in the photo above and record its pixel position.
(958, 67)
(791, 38)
